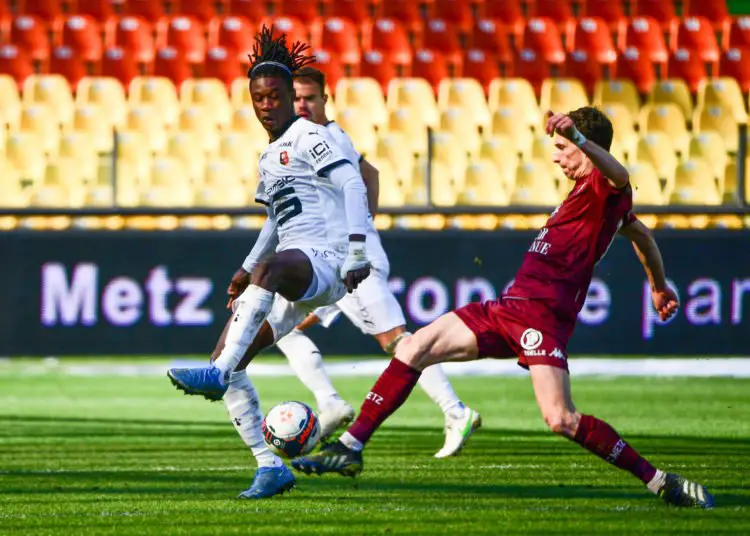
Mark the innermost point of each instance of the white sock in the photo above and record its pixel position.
(243, 404)
(657, 482)
(307, 363)
(435, 383)
(253, 307)
(350, 441)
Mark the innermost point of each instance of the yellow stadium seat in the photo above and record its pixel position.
(394, 148)
(239, 92)
(720, 120)
(14, 195)
(669, 119)
(509, 122)
(482, 185)
(729, 186)
(210, 93)
(199, 121)
(244, 121)
(694, 185)
(98, 195)
(645, 183)
(363, 94)
(414, 93)
(128, 182)
(618, 92)
(10, 110)
(723, 91)
(406, 121)
(52, 196)
(534, 186)
(237, 147)
(656, 149)
(617, 151)
(361, 132)
(106, 92)
(467, 95)
(673, 91)
(623, 124)
(40, 120)
(562, 95)
(168, 186)
(515, 93)
(390, 192)
(185, 146)
(150, 124)
(455, 121)
(52, 90)
(79, 146)
(222, 186)
(500, 150)
(709, 146)
(443, 191)
(65, 171)
(95, 119)
(448, 149)
(157, 91)
(133, 148)
(23, 150)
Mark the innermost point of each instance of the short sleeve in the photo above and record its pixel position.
(260, 194)
(321, 151)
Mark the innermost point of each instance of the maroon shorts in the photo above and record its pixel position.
(511, 327)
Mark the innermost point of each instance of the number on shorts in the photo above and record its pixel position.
(288, 208)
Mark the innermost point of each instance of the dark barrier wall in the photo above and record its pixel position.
(163, 293)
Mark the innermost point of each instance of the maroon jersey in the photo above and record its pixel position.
(558, 266)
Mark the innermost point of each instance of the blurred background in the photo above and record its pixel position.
(128, 157)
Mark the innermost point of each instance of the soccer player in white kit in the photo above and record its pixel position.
(371, 307)
(296, 264)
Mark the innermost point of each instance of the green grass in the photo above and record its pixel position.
(129, 455)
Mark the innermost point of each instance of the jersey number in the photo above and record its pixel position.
(287, 208)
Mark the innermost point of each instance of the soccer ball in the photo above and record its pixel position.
(291, 429)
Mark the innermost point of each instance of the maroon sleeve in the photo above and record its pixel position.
(628, 218)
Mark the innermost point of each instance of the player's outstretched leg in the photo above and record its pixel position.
(552, 390)
(307, 363)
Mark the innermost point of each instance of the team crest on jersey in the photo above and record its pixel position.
(284, 158)
(531, 339)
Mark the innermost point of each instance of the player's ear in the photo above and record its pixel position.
(325, 98)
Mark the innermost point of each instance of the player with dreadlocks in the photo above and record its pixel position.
(295, 266)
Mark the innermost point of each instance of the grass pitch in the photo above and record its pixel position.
(130, 455)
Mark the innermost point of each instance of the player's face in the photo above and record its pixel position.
(309, 101)
(272, 102)
(569, 157)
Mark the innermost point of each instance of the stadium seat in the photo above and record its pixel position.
(531, 66)
(201, 121)
(694, 185)
(390, 193)
(24, 151)
(619, 91)
(186, 147)
(149, 120)
(662, 11)
(709, 146)
(202, 10)
(491, 36)
(10, 111)
(635, 66)
(172, 64)
(721, 120)
(44, 9)
(79, 146)
(729, 186)
(669, 118)
(560, 11)
(133, 149)
(481, 66)
(459, 124)
(101, 11)
(414, 93)
(222, 65)
(466, 95)
(245, 122)
(53, 91)
(481, 185)
(623, 124)
(95, 120)
(499, 149)
(118, 64)
(253, 10)
(406, 121)
(360, 129)
(376, 66)
(645, 184)
(562, 94)
(582, 66)
(233, 33)
(450, 149)
(686, 65)
(592, 36)
(365, 95)
(737, 35)
(656, 149)
(675, 91)
(210, 94)
(303, 10)
(457, 11)
(39, 119)
(135, 35)
(443, 191)
(83, 35)
(406, 12)
(645, 34)
(515, 93)
(612, 13)
(443, 37)
(30, 34)
(167, 186)
(714, 11)
(185, 34)
(64, 61)
(534, 186)
(65, 172)
(295, 29)
(331, 66)
(340, 38)
(390, 38)
(357, 11)
(542, 37)
(697, 35)
(239, 93)
(14, 195)
(222, 186)
(237, 147)
(507, 122)
(725, 92)
(151, 10)
(53, 196)
(394, 147)
(735, 63)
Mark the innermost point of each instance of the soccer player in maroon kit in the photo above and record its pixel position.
(536, 318)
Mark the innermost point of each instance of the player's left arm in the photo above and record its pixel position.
(609, 166)
(647, 250)
(371, 176)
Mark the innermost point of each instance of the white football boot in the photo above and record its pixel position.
(460, 424)
(336, 415)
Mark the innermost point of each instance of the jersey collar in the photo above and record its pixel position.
(285, 128)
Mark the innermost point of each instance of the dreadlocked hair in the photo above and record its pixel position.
(272, 57)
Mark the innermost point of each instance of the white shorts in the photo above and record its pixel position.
(326, 289)
(372, 307)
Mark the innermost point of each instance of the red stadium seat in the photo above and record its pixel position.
(738, 33)
(378, 65)
(172, 63)
(592, 35)
(715, 11)
(44, 9)
(331, 66)
(66, 62)
(557, 10)
(203, 10)
(533, 67)
(389, 36)
(29, 33)
(135, 35)
(117, 63)
(735, 62)
(697, 35)
(481, 65)
(252, 10)
(185, 34)
(585, 67)
(509, 13)
(645, 34)
(101, 10)
(458, 12)
(541, 36)
(404, 11)
(357, 11)
(662, 11)
(442, 36)
(687, 64)
(638, 67)
(304, 10)
(294, 29)
(151, 10)
(15, 62)
(430, 65)
(82, 34)
(609, 11)
(234, 33)
(222, 64)
(492, 37)
(340, 37)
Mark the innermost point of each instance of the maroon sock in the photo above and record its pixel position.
(389, 393)
(601, 439)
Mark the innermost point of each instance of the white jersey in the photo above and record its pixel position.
(293, 184)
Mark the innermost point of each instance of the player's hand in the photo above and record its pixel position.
(356, 267)
(238, 284)
(561, 124)
(665, 302)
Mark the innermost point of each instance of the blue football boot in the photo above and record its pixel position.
(205, 381)
(269, 481)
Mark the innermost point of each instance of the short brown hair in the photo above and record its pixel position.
(313, 74)
(592, 123)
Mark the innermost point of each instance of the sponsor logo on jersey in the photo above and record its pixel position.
(284, 158)
(539, 245)
(320, 151)
(286, 144)
(559, 354)
(531, 339)
(278, 185)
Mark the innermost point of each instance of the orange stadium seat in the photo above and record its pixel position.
(82, 34)
(203, 10)
(509, 13)
(44, 9)
(234, 33)
(687, 65)
(697, 35)
(592, 35)
(442, 36)
(222, 64)
(30, 33)
(430, 65)
(339, 36)
(585, 67)
(5, 17)
(533, 67)
(735, 63)
(542, 37)
(185, 34)
(253, 10)
(330, 64)
(294, 28)
(481, 65)
(118, 64)
(715, 11)
(456, 11)
(151, 10)
(638, 67)
(135, 35)
(491, 36)
(560, 11)
(375, 64)
(738, 33)
(404, 11)
(645, 34)
(389, 37)
(304, 10)
(101, 10)
(662, 11)
(64, 61)
(611, 12)
(173, 64)
(357, 11)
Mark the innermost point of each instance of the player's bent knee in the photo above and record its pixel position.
(561, 421)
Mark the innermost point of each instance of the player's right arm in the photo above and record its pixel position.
(647, 250)
(371, 177)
